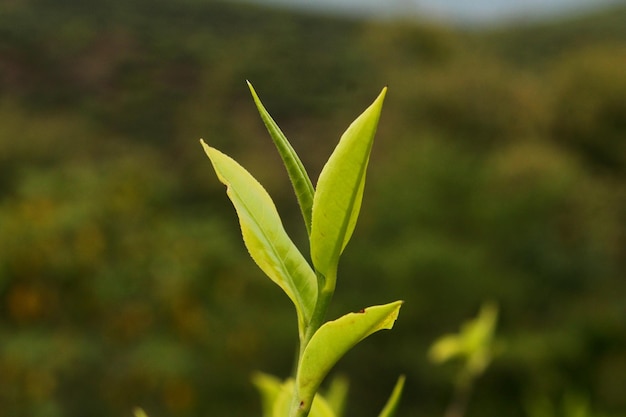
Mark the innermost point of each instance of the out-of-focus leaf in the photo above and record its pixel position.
(297, 173)
(264, 235)
(284, 402)
(339, 193)
(473, 343)
(270, 388)
(337, 394)
(334, 339)
(445, 348)
(138, 412)
(478, 337)
(392, 403)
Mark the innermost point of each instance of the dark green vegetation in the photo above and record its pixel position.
(499, 173)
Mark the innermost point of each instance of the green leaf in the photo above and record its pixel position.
(474, 343)
(333, 340)
(297, 174)
(270, 388)
(138, 412)
(392, 403)
(285, 399)
(264, 235)
(337, 394)
(337, 200)
(445, 347)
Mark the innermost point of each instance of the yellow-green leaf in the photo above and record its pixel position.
(264, 235)
(474, 343)
(339, 192)
(337, 394)
(297, 174)
(270, 388)
(334, 339)
(285, 401)
(138, 412)
(394, 400)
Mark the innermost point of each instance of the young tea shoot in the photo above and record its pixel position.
(475, 346)
(330, 211)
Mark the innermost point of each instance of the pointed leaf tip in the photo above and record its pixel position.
(335, 338)
(264, 235)
(298, 176)
(339, 193)
(394, 399)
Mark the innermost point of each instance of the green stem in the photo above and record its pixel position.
(462, 393)
(326, 289)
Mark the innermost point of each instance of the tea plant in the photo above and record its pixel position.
(330, 212)
(475, 347)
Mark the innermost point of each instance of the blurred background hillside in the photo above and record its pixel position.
(498, 173)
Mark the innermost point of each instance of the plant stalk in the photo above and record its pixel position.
(324, 296)
(460, 399)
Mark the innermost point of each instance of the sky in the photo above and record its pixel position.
(463, 11)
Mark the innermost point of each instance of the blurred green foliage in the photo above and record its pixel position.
(500, 174)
